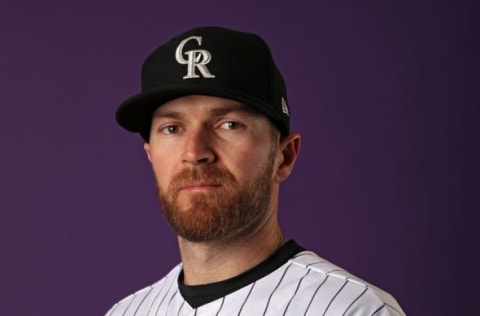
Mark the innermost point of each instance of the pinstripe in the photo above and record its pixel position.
(170, 301)
(296, 290)
(315, 293)
(130, 304)
(180, 308)
(333, 298)
(221, 305)
(164, 296)
(143, 300)
(379, 309)
(246, 298)
(276, 287)
(356, 299)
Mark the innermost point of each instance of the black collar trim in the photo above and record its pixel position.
(198, 295)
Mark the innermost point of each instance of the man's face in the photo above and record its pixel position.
(214, 162)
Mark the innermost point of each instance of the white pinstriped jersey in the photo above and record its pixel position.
(305, 285)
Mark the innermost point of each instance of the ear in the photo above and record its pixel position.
(146, 147)
(288, 148)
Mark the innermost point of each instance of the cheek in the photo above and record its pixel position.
(162, 169)
(246, 163)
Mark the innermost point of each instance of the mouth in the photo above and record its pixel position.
(200, 186)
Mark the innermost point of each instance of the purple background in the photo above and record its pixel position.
(385, 94)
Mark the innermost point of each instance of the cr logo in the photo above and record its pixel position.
(196, 59)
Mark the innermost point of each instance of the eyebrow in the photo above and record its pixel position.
(170, 114)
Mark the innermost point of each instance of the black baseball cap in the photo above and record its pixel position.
(212, 61)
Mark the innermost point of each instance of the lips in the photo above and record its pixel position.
(200, 186)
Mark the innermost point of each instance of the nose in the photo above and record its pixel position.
(198, 148)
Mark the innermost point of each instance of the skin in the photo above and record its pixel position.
(194, 130)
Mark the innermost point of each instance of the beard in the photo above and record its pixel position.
(231, 212)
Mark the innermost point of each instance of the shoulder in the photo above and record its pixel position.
(145, 297)
(333, 289)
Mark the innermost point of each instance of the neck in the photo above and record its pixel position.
(214, 261)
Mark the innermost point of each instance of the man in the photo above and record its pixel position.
(214, 116)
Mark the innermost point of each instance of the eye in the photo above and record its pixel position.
(230, 125)
(170, 129)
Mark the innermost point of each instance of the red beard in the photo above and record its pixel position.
(231, 211)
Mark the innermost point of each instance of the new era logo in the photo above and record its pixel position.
(285, 107)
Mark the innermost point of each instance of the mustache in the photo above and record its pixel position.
(207, 174)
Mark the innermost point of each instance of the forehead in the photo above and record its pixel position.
(200, 103)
